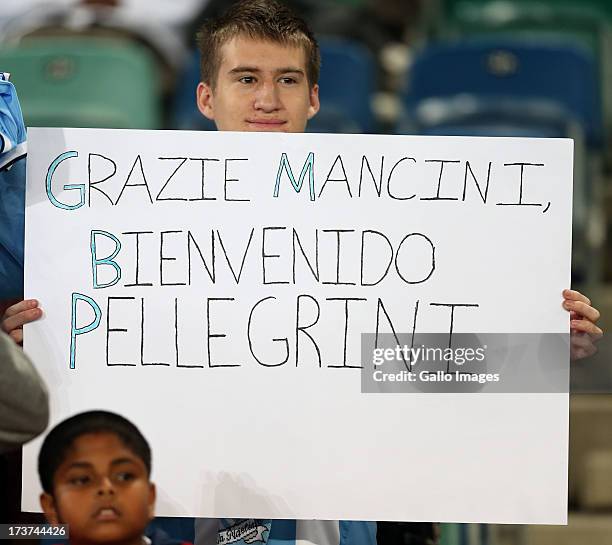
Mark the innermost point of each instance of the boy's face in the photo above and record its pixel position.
(102, 491)
(261, 86)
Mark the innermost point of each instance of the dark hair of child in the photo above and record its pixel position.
(61, 438)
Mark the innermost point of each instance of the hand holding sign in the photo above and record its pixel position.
(583, 319)
(19, 314)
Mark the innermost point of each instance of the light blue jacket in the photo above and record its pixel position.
(12, 191)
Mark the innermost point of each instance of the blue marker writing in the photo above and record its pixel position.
(308, 167)
(52, 168)
(74, 330)
(96, 262)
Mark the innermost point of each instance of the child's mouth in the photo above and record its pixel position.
(106, 514)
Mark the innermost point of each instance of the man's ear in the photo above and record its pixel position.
(205, 100)
(48, 506)
(314, 101)
(151, 500)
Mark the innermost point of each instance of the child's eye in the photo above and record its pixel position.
(125, 476)
(79, 480)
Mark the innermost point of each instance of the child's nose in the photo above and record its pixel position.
(106, 486)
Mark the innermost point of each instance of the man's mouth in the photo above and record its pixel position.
(266, 123)
(105, 514)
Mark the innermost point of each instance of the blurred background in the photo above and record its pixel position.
(537, 68)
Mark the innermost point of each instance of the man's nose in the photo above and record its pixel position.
(267, 98)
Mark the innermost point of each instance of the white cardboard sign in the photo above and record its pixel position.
(213, 288)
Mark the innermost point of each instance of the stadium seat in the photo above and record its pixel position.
(496, 70)
(531, 21)
(330, 120)
(99, 20)
(507, 8)
(76, 82)
(185, 114)
(347, 82)
(585, 22)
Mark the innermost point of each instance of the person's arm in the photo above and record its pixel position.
(24, 402)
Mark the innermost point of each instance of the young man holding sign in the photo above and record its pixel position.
(260, 68)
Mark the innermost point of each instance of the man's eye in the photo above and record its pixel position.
(288, 80)
(246, 79)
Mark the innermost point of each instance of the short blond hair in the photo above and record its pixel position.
(266, 20)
